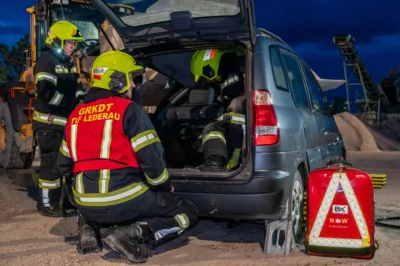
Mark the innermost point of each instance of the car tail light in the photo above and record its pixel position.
(266, 130)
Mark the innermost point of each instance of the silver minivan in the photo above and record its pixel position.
(290, 129)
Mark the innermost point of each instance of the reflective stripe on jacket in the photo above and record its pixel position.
(96, 138)
(112, 152)
(57, 84)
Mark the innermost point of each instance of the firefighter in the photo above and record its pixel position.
(114, 156)
(222, 140)
(56, 80)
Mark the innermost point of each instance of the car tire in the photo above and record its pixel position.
(10, 156)
(296, 209)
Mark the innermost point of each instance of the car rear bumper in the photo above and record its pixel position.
(264, 197)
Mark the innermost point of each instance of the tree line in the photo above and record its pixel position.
(12, 59)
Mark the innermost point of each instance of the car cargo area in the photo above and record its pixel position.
(181, 109)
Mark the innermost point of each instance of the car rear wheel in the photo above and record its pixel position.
(296, 214)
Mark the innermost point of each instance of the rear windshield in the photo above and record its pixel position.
(155, 11)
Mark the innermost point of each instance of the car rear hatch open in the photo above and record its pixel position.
(157, 22)
(194, 24)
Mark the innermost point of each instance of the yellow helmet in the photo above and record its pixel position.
(110, 71)
(205, 64)
(63, 30)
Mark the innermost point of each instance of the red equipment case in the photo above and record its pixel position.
(340, 212)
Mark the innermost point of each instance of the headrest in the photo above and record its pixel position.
(202, 96)
(238, 105)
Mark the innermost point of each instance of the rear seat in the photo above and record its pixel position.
(199, 107)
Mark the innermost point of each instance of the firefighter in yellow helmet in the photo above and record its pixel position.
(56, 80)
(222, 140)
(113, 157)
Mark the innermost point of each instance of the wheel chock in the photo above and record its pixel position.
(378, 180)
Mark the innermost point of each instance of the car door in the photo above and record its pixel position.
(158, 22)
(302, 102)
(329, 133)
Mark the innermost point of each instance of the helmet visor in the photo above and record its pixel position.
(137, 75)
(209, 72)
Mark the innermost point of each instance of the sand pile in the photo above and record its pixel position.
(359, 136)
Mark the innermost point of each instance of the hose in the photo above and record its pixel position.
(381, 222)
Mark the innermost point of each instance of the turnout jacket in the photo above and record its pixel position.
(112, 153)
(234, 120)
(57, 90)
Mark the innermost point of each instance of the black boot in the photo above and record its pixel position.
(88, 240)
(52, 211)
(214, 164)
(105, 231)
(129, 243)
(67, 201)
(49, 203)
(148, 235)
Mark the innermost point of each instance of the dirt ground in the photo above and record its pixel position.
(29, 239)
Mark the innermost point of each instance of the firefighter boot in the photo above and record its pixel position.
(214, 163)
(149, 238)
(105, 231)
(88, 241)
(67, 201)
(148, 235)
(129, 243)
(49, 202)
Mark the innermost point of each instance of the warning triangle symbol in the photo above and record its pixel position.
(340, 222)
(321, 236)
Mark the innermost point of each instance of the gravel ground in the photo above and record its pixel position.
(29, 239)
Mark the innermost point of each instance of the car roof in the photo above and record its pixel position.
(261, 32)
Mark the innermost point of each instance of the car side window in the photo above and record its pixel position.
(277, 69)
(318, 97)
(298, 87)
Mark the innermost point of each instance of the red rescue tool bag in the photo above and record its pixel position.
(340, 212)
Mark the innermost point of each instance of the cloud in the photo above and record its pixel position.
(378, 46)
(381, 46)
(379, 55)
(14, 20)
(318, 21)
(13, 30)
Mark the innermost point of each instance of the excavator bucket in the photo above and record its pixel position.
(112, 36)
(104, 43)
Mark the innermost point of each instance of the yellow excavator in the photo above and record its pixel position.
(18, 145)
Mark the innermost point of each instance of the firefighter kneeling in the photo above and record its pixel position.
(116, 167)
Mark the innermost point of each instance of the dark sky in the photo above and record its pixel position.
(307, 25)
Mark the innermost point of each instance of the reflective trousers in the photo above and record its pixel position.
(165, 213)
(49, 177)
(224, 140)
